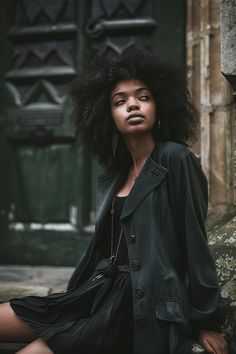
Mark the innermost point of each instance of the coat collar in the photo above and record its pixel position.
(150, 177)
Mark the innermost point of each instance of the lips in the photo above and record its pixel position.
(135, 115)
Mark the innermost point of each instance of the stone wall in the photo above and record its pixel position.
(228, 66)
(212, 95)
(222, 240)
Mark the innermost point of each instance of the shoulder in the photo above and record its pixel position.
(180, 162)
(170, 151)
(172, 148)
(176, 157)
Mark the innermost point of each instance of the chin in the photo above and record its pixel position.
(137, 130)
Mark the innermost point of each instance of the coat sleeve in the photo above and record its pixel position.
(83, 267)
(87, 262)
(206, 307)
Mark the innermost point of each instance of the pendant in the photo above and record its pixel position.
(112, 259)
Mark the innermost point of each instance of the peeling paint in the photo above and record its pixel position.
(18, 226)
(73, 215)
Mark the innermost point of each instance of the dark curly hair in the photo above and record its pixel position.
(91, 94)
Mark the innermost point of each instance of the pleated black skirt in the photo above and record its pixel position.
(93, 318)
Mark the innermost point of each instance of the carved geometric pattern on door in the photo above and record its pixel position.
(42, 91)
(111, 7)
(41, 68)
(115, 26)
(39, 9)
(51, 53)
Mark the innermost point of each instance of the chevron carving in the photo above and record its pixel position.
(40, 89)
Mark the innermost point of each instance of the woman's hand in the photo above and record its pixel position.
(213, 342)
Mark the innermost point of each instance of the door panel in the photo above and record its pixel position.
(43, 184)
(47, 204)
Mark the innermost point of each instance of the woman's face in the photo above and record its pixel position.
(132, 107)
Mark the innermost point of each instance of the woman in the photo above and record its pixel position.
(147, 283)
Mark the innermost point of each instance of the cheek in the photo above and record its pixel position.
(149, 108)
(117, 116)
(152, 114)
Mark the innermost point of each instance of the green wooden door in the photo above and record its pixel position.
(48, 183)
(44, 208)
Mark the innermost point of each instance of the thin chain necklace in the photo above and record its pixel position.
(114, 253)
(142, 164)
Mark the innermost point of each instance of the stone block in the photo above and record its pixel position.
(228, 37)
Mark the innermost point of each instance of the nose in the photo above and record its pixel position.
(132, 105)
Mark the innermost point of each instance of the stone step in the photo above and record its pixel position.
(18, 280)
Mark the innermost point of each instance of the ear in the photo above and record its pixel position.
(156, 128)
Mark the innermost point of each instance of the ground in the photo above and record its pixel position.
(33, 280)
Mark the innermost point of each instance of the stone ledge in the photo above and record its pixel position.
(222, 241)
(20, 280)
(11, 290)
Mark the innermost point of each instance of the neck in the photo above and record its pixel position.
(140, 147)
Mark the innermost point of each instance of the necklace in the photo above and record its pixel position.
(114, 253)
(140, 169)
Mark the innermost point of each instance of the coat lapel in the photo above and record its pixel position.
(150, 177)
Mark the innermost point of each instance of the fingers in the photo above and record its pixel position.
(207, 346)
(203, 340)
(213, 342)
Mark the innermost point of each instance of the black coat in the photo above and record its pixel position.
(172, 271)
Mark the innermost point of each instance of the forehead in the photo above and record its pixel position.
(128, 85)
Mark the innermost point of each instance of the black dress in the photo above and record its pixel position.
(97, 316)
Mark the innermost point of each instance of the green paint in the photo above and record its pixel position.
(168, 41)
(42, 185)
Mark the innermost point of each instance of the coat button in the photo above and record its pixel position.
(139, 292)
(136, 265)
(132, 238)
(140, 321)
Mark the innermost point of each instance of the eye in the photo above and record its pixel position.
(144, 98)
(119, 102)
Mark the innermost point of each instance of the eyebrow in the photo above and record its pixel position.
(124, 93)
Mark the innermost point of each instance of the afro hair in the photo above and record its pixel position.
(91, 95)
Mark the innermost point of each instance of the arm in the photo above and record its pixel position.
(83, 267)
(205, 299)
(188, 194)
(206, 313)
